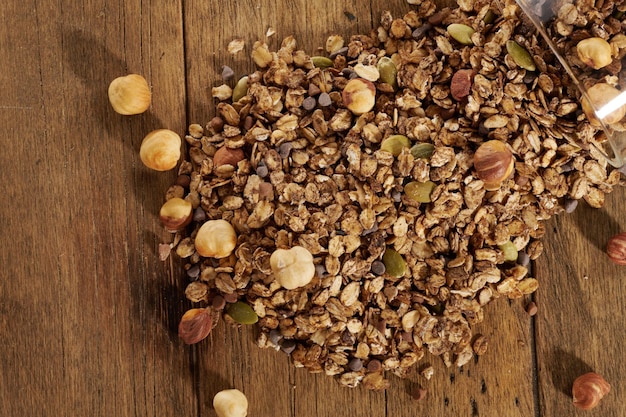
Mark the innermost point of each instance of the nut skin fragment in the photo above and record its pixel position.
(292, 268)
(359, 96)
(130, 94)
(195, 325)
(589, 389)
(616, 249)
(594, 52)
(230, 403)
(176, 214)
(216, 239)
(160, 150)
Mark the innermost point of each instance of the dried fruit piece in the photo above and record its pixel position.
(242, 313)
(359, 96)
(616, 248)
(195, 325)
(230, 403)
(292, 268)
(160, 150)
(129, 94)
(176, 214)
(520, 55)
(461, 33)
(493, 162)
(461, 84)
(394, 144)
(589, 389)
(216, 239)
(595, 52)
(419, 191)
(395, 265)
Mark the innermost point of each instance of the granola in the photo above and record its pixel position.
(315, 175)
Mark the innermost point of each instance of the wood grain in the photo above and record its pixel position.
(88, 313)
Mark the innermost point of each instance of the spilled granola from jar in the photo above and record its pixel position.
(381, 195)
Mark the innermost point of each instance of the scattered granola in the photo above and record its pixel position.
(305, 161)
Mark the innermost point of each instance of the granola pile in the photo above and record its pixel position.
(308, 171)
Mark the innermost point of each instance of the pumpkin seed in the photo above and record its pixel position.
(461, 33)
(388, 71)
(394, 144)
(242, 313)
(423, 150)
(520, 55)
(395, 265)
(419, 191)
(322, 62)
(241, 89)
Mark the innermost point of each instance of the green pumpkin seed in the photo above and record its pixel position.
(241, 89)
(395, 265)
(322, 62)
(520, 55)
(242, 313)
(461, 33)
(489, 17)
(509, 250)
(423, 150)
(394, 144)
(419, 191)
(388, 71)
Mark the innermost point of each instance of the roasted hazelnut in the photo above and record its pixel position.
(616, 248)
(588, 390)
(228, 156)
(359, 96)
(129, 94)
(175, 214)
(216, 239)
(195, 325)
(292, 268)
(230, 403)
(494, 163)
(160, 150)
(596, 104)
(594, 52)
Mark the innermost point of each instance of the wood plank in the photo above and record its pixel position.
(89, 308)
(580, 326)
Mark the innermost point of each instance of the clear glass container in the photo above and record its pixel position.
(590, 62)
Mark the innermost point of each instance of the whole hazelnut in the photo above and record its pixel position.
(228, 156)
(589, 389)
(176, 214)
(595, 52)
(129, 94)
(359, 96)
(160, 150)
(598, 104)
(494, 163)
(216, 239)
(292, 268)
(616, 248)
(230, 403)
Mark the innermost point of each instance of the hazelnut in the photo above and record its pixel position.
(216, 239)
(230, 403)
(359, 96)
(494, 163)
(175, 214)
(599, 104)
(588, 390)
(616, 248)
(195, 325)
(129, 94)
(160, 150)
(595, 52)
(292, 268)
(228, 156)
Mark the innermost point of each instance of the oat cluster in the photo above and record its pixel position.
(292, 160)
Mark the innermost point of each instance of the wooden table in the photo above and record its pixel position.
(88, 313)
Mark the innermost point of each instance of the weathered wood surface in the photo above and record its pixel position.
(88, 313)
